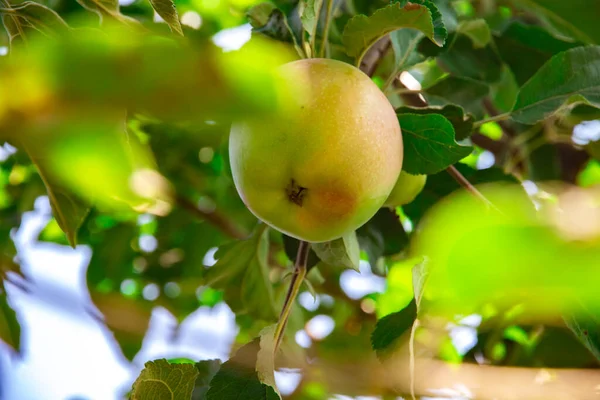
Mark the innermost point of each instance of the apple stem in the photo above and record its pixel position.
(297, 279)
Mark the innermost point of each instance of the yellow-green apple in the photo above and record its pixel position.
(327, 161)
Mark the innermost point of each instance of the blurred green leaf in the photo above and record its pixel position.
(343, 252)
(161, 380)
(575, 72)
(576, 18)
(270, 21)
(391, 328)
(242, 272)
(477, 30)
(525, 48)
(22, 18)
(429, 143)
(238, 378)
(207, 369)
(461, 121)
(361, 32)
(168, 12)
(67, 208)
(10, 329)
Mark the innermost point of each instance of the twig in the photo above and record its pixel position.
(370, 62)
(494, 118)
(328, 18)
(464, 182)
(213, 218)
(295, 284)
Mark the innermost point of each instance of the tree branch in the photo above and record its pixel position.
(214, 218)
(373, 58)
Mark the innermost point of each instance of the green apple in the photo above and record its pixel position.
(325, 165)
(407, 188)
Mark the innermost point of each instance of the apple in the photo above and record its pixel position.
(325, 163)
(407, 188)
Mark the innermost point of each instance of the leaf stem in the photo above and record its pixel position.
(294, 289)
(495, 118)
(328, 18)
(467, 185)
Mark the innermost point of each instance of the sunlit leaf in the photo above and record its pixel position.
(265, 358)
(10, 330)
(429, 143)
(20, 19)
(161, 380)
(477, 30)
(166, 9)
(238, 378)
(343, 252)
(361, 32)
(575, 72)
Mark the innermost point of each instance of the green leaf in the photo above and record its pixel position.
(585, 324)
(242, 272)
(160, 380)
(404, 43)
(575, 72)
(391, 328)
(525, 48)
(429, 144)
(20, 19)
(265, 360)
(464, 92)
(342, 252)
(420, 274)
(237, 379)
(10, 330)
(207, 369)
(361, 32)
(167, 11)
(461, 122)
(477, 30)
(309, 15)
(68, 209)
(576, 18)
(382, 236)
(274, 24)
(259, 15)
(464, 59)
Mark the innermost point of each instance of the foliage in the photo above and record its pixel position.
(122, 122)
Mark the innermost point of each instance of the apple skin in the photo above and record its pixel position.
(407, 188)
(325, 165)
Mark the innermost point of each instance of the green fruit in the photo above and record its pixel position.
(325, 165)
(406, 189)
